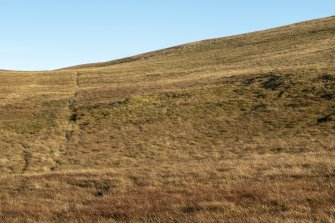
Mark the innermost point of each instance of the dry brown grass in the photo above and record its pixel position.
(238, 129)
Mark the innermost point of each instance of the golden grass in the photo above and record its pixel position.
(237, 129)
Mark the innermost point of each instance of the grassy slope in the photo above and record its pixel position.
(240, 128)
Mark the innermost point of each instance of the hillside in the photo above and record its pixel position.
(238, 128)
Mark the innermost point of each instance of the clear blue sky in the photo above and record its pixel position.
(49, 34)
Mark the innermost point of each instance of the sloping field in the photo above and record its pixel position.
(235, 129)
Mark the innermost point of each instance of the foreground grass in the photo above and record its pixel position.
(239, 129)
(257, 188)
